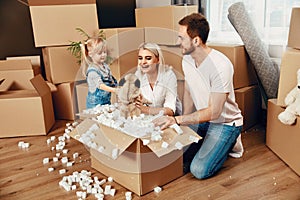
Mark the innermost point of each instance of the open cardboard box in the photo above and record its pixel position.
(138, 167)
(283, 140)
(17, 74)
(26, 112)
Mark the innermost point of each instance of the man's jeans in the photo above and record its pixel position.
(218, 141)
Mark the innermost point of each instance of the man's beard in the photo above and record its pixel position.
(189, 50)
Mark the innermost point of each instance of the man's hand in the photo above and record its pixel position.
(164, 122)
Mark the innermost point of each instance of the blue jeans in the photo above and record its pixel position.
(218, 141)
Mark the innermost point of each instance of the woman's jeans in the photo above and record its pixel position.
(218, 142)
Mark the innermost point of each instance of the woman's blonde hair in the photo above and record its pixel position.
(90, 47)
(156, 50)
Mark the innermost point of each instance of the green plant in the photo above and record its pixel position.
(75, 48)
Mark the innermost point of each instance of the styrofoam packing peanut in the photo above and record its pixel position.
(20, 144)
(157, 189)
(50, 169)
(57, 154)
(61, 138)
(110, 179)
(102, 181)
(69, 164)
(48, 141)
(52, 148)
(67, 136)
(64, 160)
(65, 151)
(89, 189)
(112, 192)
(100, 149)
(94, 145)
(115, 153)
(62, 171)
(68, 124)
(99, 196)
(73, 187)
(75, 155)
(94, 190)
(128, 194)
(65, 185)
(179, 145)
(177, 128)
(156, 137)
(45, 160)
(107, 189)
(193, 139)
(52, 138)
(25, 145)
(146, 142)
(55, 159)
(71, 128)
(67, 130)
(83, 195)
(164, 145)
(75, 123)
(78, 194)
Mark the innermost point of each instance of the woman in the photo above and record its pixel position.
(158, 82)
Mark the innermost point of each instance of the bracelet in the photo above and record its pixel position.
(176, 121)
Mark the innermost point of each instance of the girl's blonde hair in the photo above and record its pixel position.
(155, 49)
(90, 47)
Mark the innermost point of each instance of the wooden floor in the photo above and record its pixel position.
(258, 175)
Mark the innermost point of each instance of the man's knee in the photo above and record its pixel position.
(199, 171)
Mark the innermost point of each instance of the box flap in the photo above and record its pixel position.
(58, 2)
(15, 65)
(40, 85)
(294, 31)
(171, 137)
(106, 138)
(5, 84)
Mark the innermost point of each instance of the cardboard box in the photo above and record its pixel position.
(244, 73)
(27, 112)
(294, 30)
(64, 101)
(283, 140)
(60, 65)
(54, 23)
(5, 84)
(249, 102)
(123, 46)
(35, 62)
(288, 74)
(17, 74)
(166, 17)
(137, 167)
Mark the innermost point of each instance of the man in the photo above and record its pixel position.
(209, 83)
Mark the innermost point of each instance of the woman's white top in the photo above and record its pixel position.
(164, 92)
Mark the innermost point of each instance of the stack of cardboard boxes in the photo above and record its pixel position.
(25, 100)
(54, 26)
(284, 140)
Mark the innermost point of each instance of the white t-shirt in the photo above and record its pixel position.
(214, 75)
(164, 92)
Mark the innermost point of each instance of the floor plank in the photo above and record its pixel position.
(259, 174)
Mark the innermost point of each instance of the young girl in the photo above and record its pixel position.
(98, 75)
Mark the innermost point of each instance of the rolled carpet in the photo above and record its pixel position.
(267, 71)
